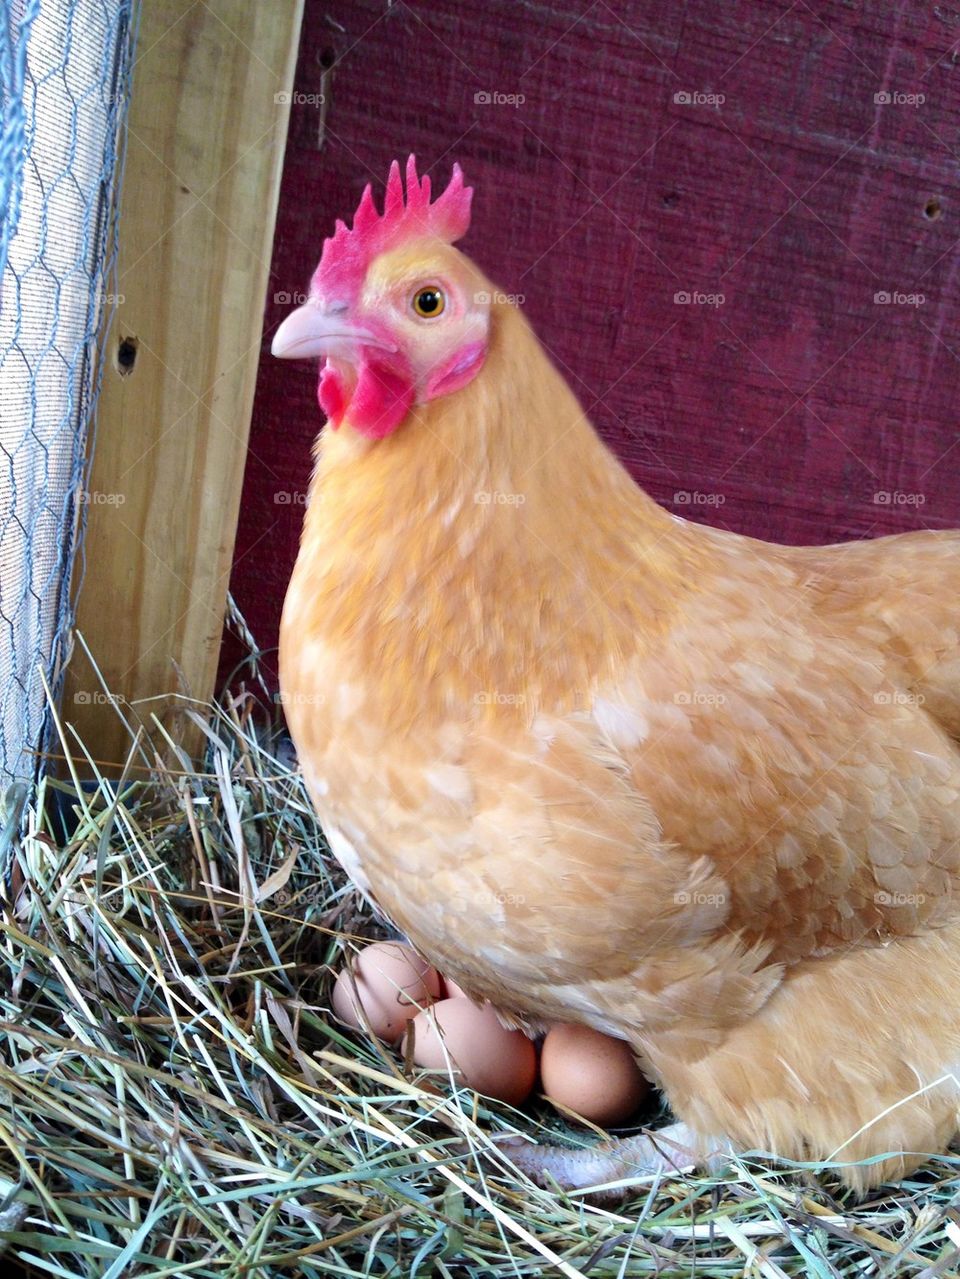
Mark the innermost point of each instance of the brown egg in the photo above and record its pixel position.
(483, 1054)
(453, 991)
(391, 981)
(592, 1074)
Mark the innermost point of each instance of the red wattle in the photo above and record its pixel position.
(331, 397)
(381, 400)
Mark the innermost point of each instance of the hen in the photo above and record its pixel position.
(604, 765)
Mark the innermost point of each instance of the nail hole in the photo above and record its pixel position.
(127, 355)
(932, 210)
(327, 57)
(671, 199)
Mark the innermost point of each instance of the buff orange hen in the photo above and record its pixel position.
(606, 766)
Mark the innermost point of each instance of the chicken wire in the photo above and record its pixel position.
(65, 67)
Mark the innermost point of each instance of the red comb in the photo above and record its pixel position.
(350, 250)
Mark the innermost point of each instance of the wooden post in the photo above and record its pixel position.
(207, 131)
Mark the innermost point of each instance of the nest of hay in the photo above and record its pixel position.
(177, 1099)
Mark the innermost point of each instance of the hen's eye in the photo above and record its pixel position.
(428, 302)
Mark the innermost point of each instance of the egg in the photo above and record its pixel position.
(392, 983)
(453, 990)
(591, 1074)
(456, 1034)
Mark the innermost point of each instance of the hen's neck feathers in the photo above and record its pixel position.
(491, 542)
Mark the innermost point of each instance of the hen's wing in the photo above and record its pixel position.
(906, 591)
(789, 747)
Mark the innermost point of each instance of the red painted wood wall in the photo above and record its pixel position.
(784, 165)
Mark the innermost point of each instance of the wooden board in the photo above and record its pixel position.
(626, 153)
(207, 130)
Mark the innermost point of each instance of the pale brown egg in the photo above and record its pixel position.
(483, 1054)
(453, 991)
(592, 1074)
(392, 982)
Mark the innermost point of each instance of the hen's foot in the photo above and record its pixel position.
(667, 1150)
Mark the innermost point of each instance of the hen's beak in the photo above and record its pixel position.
(313, 330)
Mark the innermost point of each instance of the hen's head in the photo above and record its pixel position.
(399, 314)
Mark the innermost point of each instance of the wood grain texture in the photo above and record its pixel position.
(782, 412)
(206, 139)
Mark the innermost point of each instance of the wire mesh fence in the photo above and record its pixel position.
(66, 68)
